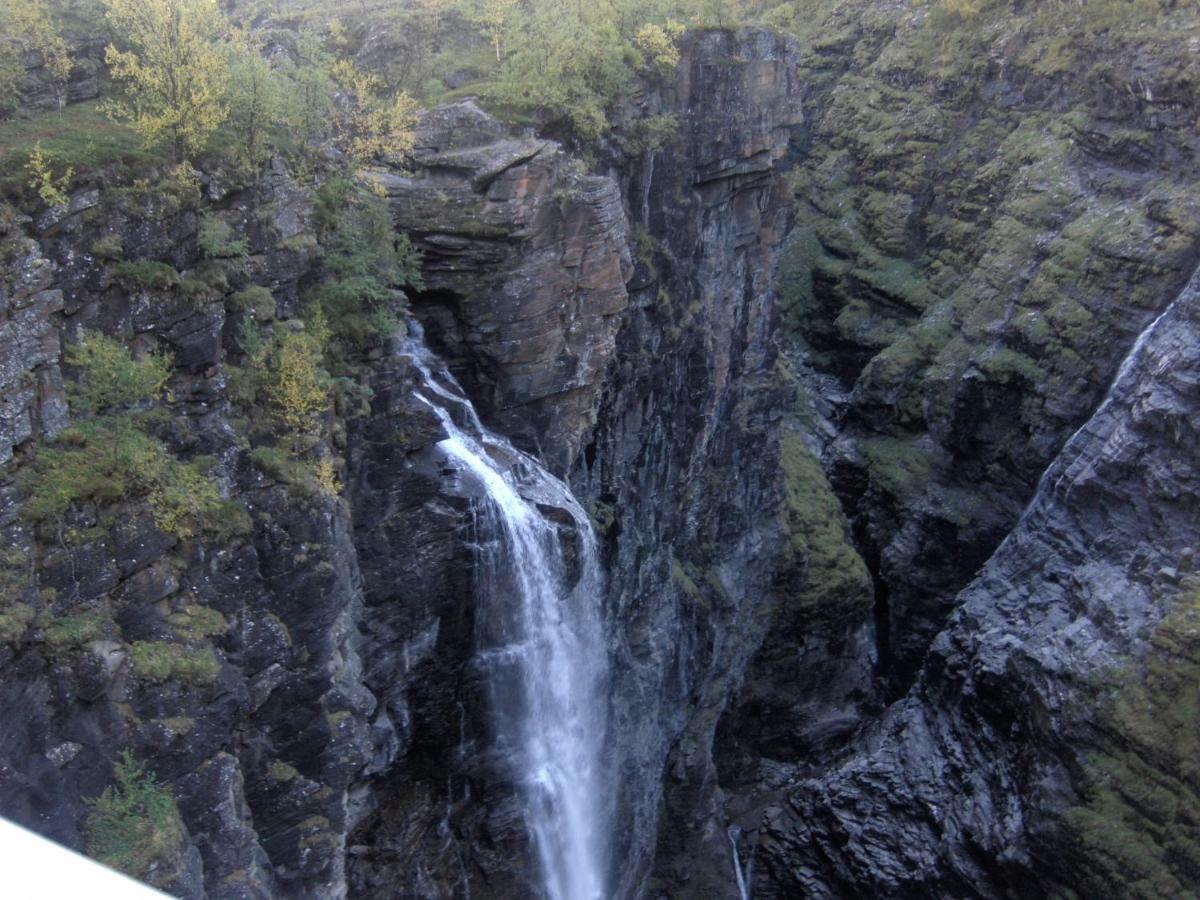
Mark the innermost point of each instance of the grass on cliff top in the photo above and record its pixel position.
(82, 137)
(79, 137)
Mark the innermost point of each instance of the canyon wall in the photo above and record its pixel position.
(889, 572)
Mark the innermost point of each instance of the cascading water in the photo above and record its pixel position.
(543, 646)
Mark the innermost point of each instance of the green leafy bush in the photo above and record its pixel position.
(110, 378)
(97, 460)
(134, 826)
(159, 661)
(366, 263)
(108, 458)
(147, 273)
(218, 241)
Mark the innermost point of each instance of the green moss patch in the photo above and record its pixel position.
(158, 661)
(836, 584)
(1138, 827)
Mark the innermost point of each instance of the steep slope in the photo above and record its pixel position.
(339, 713)
(989, 214)
(961, 787)
(989, 211)
(684, 469)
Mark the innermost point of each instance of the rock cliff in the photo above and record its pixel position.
(891, 578)
(961, 787)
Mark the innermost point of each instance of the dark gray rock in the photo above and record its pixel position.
(957, 789)
(525, 263)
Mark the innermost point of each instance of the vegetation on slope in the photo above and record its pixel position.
(1139, 823)
(134, 826)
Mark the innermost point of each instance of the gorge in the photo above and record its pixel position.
(792, 491)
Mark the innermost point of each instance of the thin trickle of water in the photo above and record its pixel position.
(743, 879)
(1062, 466)
(542, 642)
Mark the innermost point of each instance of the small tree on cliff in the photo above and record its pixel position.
(26, 25)
(175, 71)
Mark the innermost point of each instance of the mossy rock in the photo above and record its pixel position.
(156, 662)
(836, 584)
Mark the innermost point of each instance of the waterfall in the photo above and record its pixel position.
(1062, 466)
(743, 880)
(542, 639)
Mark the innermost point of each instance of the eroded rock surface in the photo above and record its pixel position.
(525, 264)
(960, 787)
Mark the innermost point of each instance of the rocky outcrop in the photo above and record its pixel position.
(38, 89)
(683, 472)
(226, 661)
(960, 788)
(33, 403)
(788, 526)
(525, 264)
(982, 231)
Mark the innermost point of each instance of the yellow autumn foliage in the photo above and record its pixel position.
(26, 25)
(297, 384)
(174, 72)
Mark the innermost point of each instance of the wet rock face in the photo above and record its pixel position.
(963, 292)
(525, 264)
(683, 470)
(960, 787)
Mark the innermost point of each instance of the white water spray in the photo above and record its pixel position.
(743, 879)
(543, 642)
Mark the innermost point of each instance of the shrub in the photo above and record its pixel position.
(308, 480)
(218, 241)
(75, 631)
(326, 479)
(365, 263)
(99, 460)
(159, 661)
(108, 459)
(658, 45)
(256, 300)
(109, 246)
(296, 384)
(183, 498)
(134, 826)
(110, 378)
(51, 188)
(146, 273)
